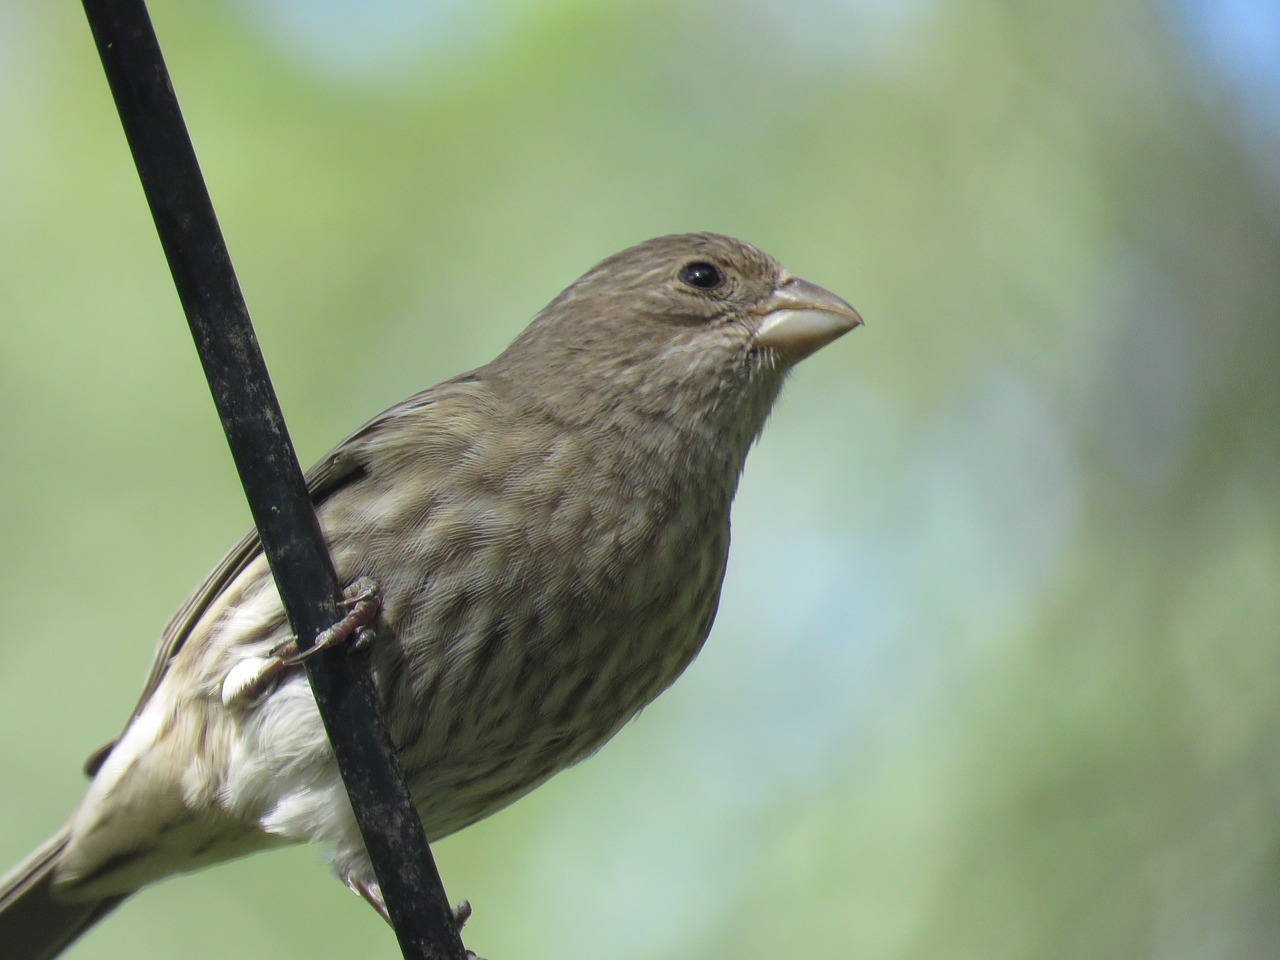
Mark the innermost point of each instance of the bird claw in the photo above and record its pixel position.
(461, 914)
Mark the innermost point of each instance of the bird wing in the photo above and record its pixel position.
(340, 466)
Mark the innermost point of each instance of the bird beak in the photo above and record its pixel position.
(800, 317)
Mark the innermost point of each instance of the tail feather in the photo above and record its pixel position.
(34, 924)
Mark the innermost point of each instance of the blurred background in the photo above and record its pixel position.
(995, 671)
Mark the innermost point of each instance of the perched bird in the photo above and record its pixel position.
(548, 535)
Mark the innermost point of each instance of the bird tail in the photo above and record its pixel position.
(35, 924)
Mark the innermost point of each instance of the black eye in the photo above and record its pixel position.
(700, 274)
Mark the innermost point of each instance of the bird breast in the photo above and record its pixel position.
(544, 603)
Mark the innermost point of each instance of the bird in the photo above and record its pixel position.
(540, 545)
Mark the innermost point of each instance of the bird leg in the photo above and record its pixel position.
(368, 891)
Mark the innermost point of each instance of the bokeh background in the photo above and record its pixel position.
(996, 670)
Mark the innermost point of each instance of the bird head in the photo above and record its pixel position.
(699, 329)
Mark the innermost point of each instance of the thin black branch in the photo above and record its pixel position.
(269, 471)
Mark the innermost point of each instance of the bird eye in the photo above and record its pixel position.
(700, 274)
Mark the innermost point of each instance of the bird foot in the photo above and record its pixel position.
(363, 600)
(371, 893)
(251, 678)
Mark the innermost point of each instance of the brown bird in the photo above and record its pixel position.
(549, 535)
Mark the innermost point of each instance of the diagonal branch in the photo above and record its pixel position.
(269, 471)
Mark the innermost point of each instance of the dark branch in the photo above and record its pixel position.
(269, 471)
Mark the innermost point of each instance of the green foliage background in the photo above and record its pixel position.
(995, 674)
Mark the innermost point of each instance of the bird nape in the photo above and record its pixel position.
(548, 536)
